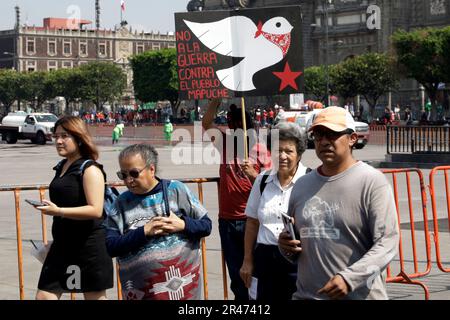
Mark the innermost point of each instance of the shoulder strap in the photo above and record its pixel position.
(59, 165)
(165, 183)
(85, 163)
(83, 166)
(263, 184)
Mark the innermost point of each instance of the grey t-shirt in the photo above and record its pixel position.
(348, 226)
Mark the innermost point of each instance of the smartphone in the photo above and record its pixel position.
(35, 203)
(289, 226)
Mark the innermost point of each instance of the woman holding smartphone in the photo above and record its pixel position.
(268, 201)
(77, 260)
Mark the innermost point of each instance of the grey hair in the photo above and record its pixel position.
(147, 152)
(292, 131)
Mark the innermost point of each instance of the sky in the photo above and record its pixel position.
(147, 15)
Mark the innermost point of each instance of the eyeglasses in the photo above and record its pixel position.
(134, 173)
(329, 134)
(63, 136)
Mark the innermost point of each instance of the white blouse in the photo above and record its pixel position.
(267, 208)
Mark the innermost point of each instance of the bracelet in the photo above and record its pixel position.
(61, 212)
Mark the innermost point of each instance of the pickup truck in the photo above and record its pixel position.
(22, 126)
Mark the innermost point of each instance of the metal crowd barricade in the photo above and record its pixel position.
(42, 188)
(433, 192)
(404, 276)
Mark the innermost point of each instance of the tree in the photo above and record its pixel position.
(343, 81)
(421, 55)
(316, 82)
(155, 76)
(446, 49)
(371, 75)
(39, 88)
(68, 83)
(103, 82)
(8, 86)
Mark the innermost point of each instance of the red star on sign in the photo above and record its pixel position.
(288, 77)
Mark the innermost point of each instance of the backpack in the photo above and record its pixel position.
(111, 193)
(263, 184)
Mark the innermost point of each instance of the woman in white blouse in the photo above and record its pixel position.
(264, 268)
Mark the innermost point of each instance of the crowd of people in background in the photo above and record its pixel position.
(138, 116)
(262, 116)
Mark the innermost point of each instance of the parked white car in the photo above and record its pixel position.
(34, 126)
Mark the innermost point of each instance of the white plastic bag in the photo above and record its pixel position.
(40, 250)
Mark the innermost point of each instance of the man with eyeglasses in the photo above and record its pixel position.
(155, 231)
(345, 215)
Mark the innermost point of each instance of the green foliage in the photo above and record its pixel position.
(37, 87)
(316, 82)
(371, 75)
(103, 82)
(98, 82)
(446, 55)
(68, 83)
(155, 75)
(423, 55)
(8, 86)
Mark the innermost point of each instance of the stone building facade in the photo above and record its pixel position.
(61, 44)
(356, 27)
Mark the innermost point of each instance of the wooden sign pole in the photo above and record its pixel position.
(244, 127)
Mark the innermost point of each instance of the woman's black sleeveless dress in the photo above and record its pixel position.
(77, 260)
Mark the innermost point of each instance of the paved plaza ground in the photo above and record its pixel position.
(28, 164)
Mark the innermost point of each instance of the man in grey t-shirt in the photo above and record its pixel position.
(345, 216)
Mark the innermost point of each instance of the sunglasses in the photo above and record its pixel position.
(134, 173)
(329, 134)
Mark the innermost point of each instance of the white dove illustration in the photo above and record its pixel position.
(260, 46)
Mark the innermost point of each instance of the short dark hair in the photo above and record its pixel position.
(147, 152)
(235, 115)
(292, 132)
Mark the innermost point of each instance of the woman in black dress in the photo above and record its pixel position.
(77, 260)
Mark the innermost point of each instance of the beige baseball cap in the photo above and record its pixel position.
(336, 119)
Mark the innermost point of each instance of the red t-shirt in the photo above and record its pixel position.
(235, 186)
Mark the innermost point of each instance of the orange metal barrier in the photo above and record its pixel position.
(404, 276)
(433, 192)
(42, 188)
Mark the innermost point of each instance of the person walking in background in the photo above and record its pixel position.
(275, 276)
(155, 231)
(346, 219)
(116, 134)
(76, 204)
(168, 130)
(407, 116)
(236, 179)
(121, 126)
(428, 107)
